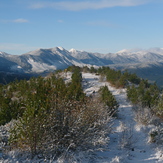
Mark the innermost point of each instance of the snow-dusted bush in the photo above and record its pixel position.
(69, 125)
(127, 139)
(143, 115)
(76, 126)
(156, 135)
(4, 135)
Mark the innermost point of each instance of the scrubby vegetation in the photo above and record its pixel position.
(148, 107)
(116, 78)
(52, 116)
(145, 96)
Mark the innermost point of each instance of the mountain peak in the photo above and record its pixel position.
(73, 50)
(60, 48)
(3, 54)
(123, 51)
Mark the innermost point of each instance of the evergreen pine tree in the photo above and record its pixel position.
(109, 100)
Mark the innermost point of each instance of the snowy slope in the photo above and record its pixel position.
(124, 56)
(145, 63)
(129, 141)
(49, 59)
(89, 58)
(41, 60)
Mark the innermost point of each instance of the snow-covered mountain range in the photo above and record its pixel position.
(146, 63)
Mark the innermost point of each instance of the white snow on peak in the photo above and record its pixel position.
(156, 50)
(3, 53)
(73, 51)
(61, 48)
(123, 51)
(130, 51)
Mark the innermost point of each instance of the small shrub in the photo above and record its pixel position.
(156, 135)
(143, 115)
(127, 139)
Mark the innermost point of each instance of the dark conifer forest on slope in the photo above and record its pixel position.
(51, 115)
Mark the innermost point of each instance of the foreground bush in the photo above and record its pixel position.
(69, 125)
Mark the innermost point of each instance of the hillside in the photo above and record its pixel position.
(128, 140)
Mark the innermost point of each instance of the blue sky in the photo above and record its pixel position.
(92, 25)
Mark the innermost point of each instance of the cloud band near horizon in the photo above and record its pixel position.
(84, 5)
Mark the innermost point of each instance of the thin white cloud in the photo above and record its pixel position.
(20, 20)
(60, 21)
(89, 4)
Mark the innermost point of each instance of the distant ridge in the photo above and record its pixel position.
(47, 60)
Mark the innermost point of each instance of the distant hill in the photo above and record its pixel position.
(145, 63)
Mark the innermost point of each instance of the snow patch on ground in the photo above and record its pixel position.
(129, 140)
(17, 68)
